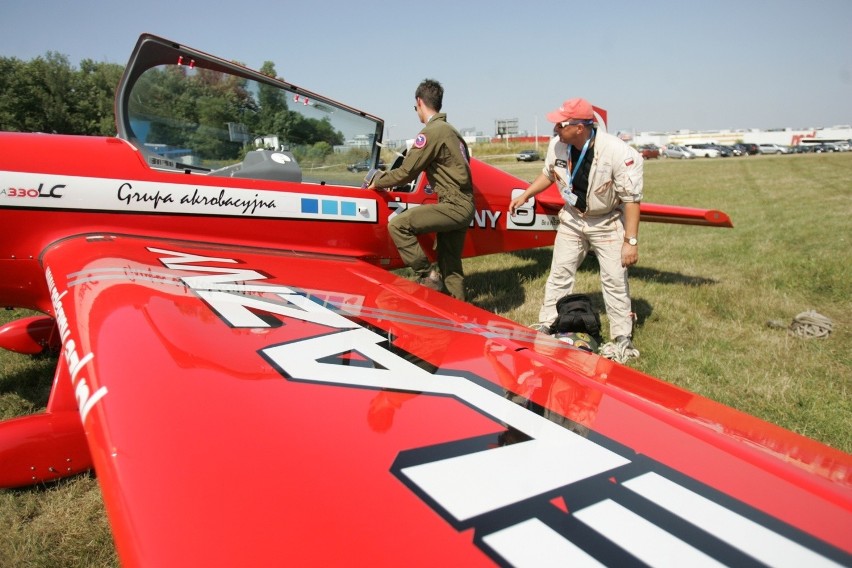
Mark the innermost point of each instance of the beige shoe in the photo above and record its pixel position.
(620, 350)
(432, 280)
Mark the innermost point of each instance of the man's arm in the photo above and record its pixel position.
(539, 184)
(630, 253)
(425, 149)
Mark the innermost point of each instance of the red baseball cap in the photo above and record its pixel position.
(572, 109)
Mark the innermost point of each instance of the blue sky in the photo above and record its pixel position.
(658, 66)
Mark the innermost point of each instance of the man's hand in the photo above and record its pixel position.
(629, 254)
(539, 184)
(370, 178)
(515, 203)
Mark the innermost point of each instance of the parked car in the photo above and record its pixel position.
(679, 152)
(724, 151)
(802, 149)
(649, 151)
(747, 149)
(365, 165)
(528, 156)
(703, 150)
(773, 149)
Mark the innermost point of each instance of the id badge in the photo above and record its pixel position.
(569, 196)
(565, 187)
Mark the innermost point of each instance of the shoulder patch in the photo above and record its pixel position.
(628, 162)
(463, 151)
(420, 141)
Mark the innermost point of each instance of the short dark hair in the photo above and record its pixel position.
(431, 92)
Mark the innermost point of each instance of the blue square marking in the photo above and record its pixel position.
(310, 205)
(329, 207)
(348, 208)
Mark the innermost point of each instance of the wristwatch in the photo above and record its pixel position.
(632, 241)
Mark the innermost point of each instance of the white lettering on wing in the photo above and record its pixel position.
(481, 488)
(86, 399)
(226, 291)
(553, 457)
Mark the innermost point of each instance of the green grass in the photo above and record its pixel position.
(702, 297)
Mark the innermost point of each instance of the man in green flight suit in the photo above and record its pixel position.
(441, 152)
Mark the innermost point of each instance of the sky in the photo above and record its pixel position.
(657, 66)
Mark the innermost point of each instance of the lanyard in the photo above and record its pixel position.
(568, 190)
(576, 168)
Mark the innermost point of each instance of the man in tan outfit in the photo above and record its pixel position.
(601, 180)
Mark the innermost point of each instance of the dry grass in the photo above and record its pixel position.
(60, 525)
(702, 296)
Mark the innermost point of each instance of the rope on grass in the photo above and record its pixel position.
(810, 325)
(806, 325)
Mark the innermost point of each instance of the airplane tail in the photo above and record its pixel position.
(534, 224)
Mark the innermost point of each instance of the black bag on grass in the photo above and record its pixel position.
(574, 313)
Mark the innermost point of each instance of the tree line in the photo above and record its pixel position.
(47, 94)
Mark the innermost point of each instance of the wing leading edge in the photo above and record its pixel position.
(253, 405)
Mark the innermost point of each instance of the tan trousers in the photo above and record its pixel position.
(575, 236)
(450, 221)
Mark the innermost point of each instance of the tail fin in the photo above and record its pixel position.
(534, 224)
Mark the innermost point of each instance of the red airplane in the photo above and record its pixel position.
(253, 386)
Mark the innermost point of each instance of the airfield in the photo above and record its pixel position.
(702, 297)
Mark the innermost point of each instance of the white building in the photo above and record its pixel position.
(782, 136)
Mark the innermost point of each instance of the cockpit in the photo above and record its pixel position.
(193, 113)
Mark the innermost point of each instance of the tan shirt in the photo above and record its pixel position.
(616, 175)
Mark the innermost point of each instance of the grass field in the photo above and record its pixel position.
(702, 296)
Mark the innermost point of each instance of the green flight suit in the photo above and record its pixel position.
(440, 151)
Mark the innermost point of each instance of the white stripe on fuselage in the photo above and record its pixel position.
(134, 196)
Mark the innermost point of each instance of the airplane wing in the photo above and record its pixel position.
(551, 200)
(252, 407)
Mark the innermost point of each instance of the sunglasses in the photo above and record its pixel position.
(573, 123)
